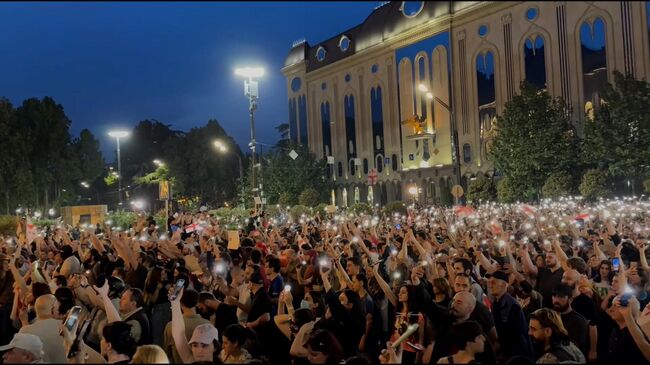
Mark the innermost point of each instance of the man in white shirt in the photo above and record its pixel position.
(47, 329)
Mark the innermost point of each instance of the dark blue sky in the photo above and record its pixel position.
(114, 64)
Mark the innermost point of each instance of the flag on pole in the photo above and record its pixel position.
(30, 229)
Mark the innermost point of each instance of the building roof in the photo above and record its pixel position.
(386, 21)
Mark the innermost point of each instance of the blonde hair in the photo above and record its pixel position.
(150, 354)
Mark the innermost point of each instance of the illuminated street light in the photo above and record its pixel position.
(423, 88)
(158, 163)
(223, 149)
(51, 212)
(117, 134)
(429, 96)
(250, 72)
(251, 90)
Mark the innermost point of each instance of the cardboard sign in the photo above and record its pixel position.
(233, 240)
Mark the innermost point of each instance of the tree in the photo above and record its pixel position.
(594, 185)
(284, 176)
(309, 197)
(558, 184)
(49, 138)
(482, 189)
(618, 139)
(534, 138)
(509, 190)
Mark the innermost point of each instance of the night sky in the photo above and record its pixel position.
(115, 64)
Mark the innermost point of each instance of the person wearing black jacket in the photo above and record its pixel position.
(344, 316)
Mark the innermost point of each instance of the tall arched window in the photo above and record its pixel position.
(350, 130)
(485, 78)
(486, 86)
(393, 160)
(535, 62)
(353, 168)
(594, 58)
(302, 118)
(357, 195)
(340, 168)
(325, 119)
(365, 166)
(345, 197)
(377, 118)
(380, 163)
(423, 79)
(293, 124)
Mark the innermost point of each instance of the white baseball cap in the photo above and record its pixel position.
(25, 341)
(205, 334)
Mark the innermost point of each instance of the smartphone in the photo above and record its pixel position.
(409, 331)
(625, 299)
(398, 226)
(177, 289)
(79, 336)
(72, 318)
(616, 263)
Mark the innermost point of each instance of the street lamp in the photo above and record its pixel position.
(413, 190)
(117, 134)
(158, 163)
(251, 90)
(222, 148)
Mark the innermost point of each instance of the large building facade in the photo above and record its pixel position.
(407, 98)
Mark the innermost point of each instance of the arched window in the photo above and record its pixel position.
(350, 130)
(594, 58)
(377, 118)
(365, 166)
(293, 123)
(485, 78)
(486, 86)
(353, 168)
(535, 62)
(302, 118)
(423, 79)
(357, 195)
(325, 119)
(380, 164)
(371, 196)
(340, 168)
(394, 162)
(345, 197)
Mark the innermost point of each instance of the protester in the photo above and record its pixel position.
(563, 280)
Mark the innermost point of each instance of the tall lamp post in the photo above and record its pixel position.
(117, 134)
(222, 148)
(251, 90)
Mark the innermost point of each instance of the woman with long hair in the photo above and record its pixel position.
(406, 313)
(602, 281)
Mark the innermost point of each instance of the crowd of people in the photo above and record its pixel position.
(562, 281)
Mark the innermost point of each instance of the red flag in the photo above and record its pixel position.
(463, 211)
(582, 216)
(528, 210)
(191, 227)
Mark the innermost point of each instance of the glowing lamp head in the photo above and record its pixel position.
(118, 134)
(250, 72)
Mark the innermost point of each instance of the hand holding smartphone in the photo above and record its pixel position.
(177, 289)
